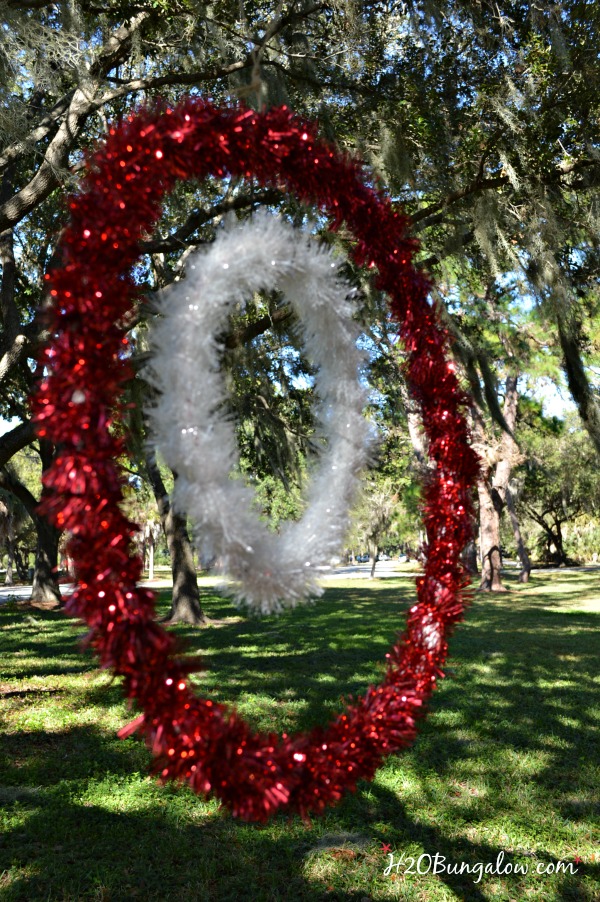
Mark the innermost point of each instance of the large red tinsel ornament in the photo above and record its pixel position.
(195, 739)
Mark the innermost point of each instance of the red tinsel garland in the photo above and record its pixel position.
(195, 739)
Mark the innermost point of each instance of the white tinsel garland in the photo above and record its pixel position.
(192, 430)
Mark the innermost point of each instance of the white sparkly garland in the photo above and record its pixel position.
(192, 430)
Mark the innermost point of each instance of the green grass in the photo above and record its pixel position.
(507, 761)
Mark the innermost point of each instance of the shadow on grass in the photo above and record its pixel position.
(525, 673)
(52, 640)
(71, 848)
(314, 655)
(379, 805)
(525, 679)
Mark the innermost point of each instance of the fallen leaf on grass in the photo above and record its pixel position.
(348, 854)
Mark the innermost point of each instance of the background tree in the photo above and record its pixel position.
(16, 528)
(558, 482)
(482, 118)
(45, 574)
(373, 519)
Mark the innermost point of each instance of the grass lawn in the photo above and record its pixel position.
(505, 765)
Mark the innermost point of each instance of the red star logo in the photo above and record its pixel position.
(577, 859)
(385, 847)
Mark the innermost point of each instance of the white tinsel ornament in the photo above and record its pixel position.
(191, 429)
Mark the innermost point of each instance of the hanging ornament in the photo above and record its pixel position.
(194, 739)
(193, 429)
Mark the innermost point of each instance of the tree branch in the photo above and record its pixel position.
(38, 133)
(13, 343)
(178, 240)
(434, 259)
(425, 216)
(305, 78)
(25, 5)
(583, 393)
(82, 104)
(474, 187)
(12, 354)
(253, 330)
(15, 440)
(175, 78)
(11, 484)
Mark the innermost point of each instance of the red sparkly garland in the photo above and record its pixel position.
(195, 739)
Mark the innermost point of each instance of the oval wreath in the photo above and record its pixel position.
(192, 427)
(194, 739)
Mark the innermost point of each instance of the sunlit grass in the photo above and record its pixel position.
(507, 761)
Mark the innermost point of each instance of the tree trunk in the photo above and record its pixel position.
(46, 590)
(374, 555)
(151, 557)
(416, 433)
(469, 557)
(521, 550)
(45, 575)
(490, 507)
(9, 579)
(20, 564)
(562, 558)
(185, 606)
(10, 548)
(491, 559)
(509, 455)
